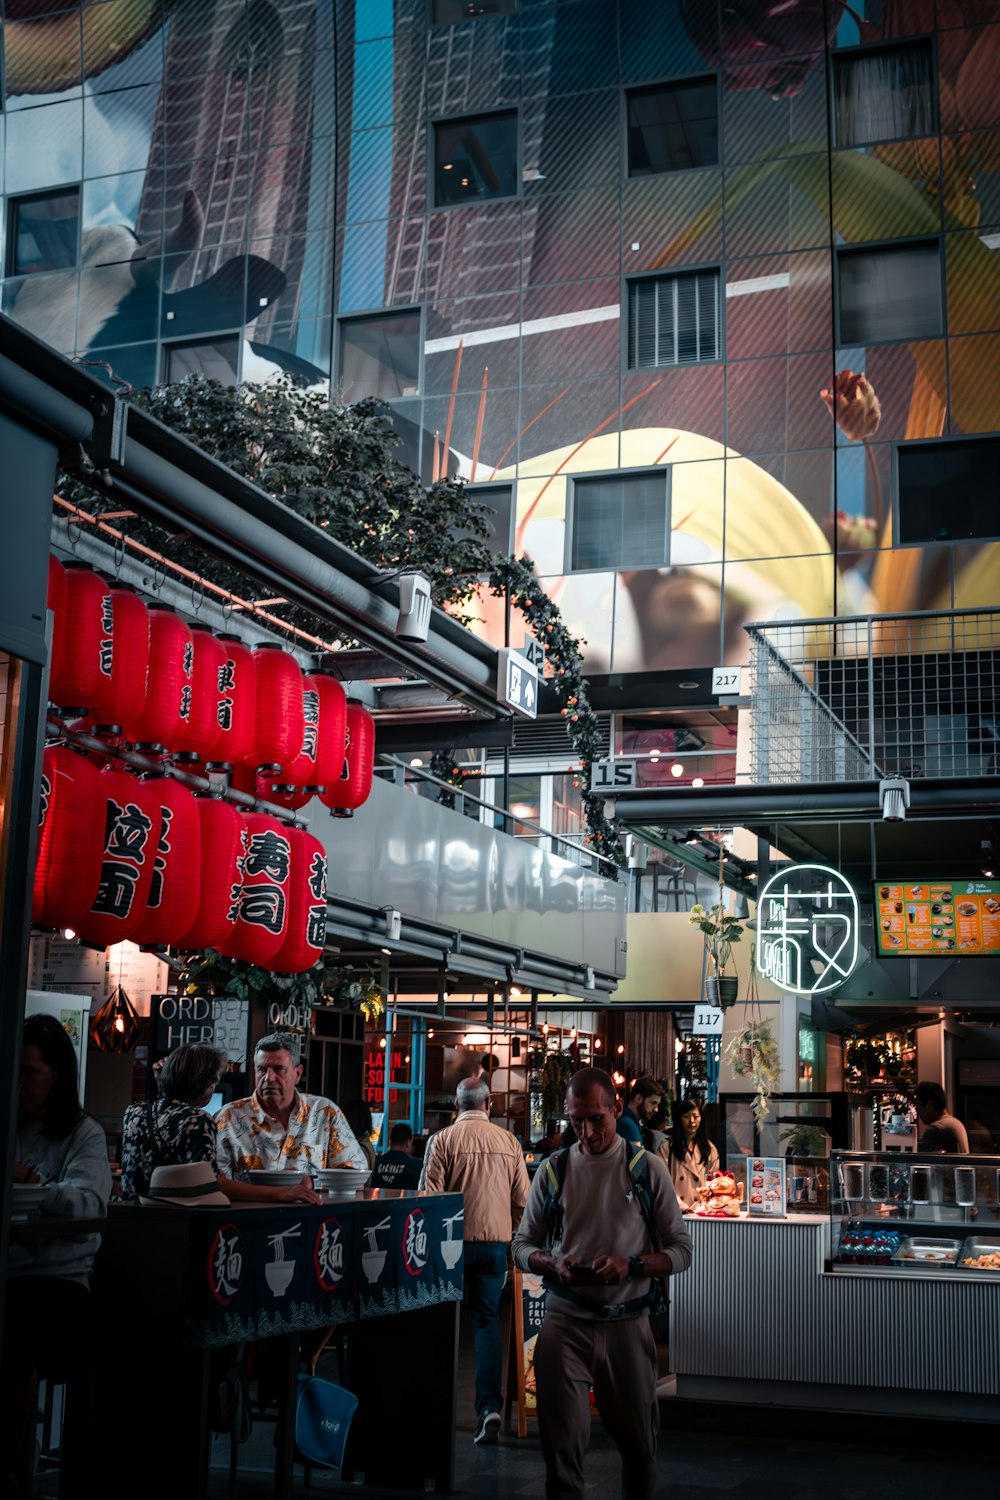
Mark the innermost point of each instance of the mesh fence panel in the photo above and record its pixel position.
(879, 695)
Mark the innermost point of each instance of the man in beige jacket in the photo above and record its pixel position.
(476, 1158)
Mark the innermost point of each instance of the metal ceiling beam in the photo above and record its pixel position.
(818, 802)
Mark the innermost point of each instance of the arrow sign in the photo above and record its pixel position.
(517, 682)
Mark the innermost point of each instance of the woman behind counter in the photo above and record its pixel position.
(175, 1129)
(688, 1153)
(46, 1328)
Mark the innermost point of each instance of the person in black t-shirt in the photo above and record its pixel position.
(397, 1167)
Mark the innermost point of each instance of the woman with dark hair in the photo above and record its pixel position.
(58, 1146)
(174, 1128)
(687, 1151)
(359, 1117)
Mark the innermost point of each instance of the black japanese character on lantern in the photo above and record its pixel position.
(268, 854)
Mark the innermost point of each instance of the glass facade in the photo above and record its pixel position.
(249, 186)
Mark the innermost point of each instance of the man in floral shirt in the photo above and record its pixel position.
(277, 1127)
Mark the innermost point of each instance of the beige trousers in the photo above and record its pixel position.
(617, 1358)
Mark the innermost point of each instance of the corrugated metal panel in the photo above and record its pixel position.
(549, 737)
(757, 1305)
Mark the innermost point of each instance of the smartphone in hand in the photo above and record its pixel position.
(581, 1273)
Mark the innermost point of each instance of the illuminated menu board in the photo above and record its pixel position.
(938, 916)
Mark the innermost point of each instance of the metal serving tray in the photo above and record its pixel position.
(920, 1250)
(980, 1244)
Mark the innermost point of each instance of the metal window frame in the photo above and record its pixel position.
(955, 439)
(926, 40)
(168, 345)
(481, 491)
(500, 110)
(673, 83)
(664, 471)
(13, 205)
(372, 315)
(869, 246)
(712, 267)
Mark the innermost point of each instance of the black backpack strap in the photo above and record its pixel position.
(555, 1174)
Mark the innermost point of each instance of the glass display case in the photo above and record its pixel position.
(801, 1128)
(915, 1213)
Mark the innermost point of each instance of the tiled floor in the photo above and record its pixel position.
(704, 1454)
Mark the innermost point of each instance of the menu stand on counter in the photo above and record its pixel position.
(172, 1283)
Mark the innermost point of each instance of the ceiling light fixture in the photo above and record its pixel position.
(677, 769)
(698, 781)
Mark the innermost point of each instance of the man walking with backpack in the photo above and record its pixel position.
(602, 1226)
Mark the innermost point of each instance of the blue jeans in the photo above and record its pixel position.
(485, 1275)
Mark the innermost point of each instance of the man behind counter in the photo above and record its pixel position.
(943, 1132)
(397, 1167)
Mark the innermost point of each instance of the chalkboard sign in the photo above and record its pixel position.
(221, 1021)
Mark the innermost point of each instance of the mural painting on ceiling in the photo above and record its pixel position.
(248, 171)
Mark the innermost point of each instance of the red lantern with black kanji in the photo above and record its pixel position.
(280, 717)
(167, 710)
(292, 797)
(321, 759)
(76, 678)
(236, 703)
(303, 945)
(124, 653)
(219, 874)
(175, 891)
(352, 789)
(56, 602)
(201, 734)
(262, 902)
(130, 810)
(70, 834)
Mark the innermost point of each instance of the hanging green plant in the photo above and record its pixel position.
(325, 983)
(753, 1053)
(557, 1070)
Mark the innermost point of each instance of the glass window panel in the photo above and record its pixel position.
(883, 95)
(499, 498)
(380, 356)
(621, 521)
(216, 359)
(672, 126)
(673, 320)
(44, 232)
(890, 293)
(475, 158)
(948, 491)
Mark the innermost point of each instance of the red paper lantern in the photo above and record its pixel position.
(130, 811)
(321, 759)
(202, 733)
(56, 602)
(236, 703)
(263, 786)
(70, 831)
(353, 787)
(219, 875)
(175, 891)
(75, 680)
(303, 945)
(124, 657)
(280, 718)
(164, 717)
(261, 902)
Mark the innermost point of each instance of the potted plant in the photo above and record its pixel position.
(721, 931)
(753, 1053)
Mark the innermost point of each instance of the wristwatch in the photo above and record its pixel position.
(636, 1269)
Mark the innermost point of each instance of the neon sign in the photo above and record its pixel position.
(807, 929)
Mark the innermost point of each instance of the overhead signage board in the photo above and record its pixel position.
(517, 682)
(613, 775)
(707, 1021)
(807, 929)
(534, 652)
(937, 917)
(726, 682)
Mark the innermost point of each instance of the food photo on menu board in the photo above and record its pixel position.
(938, 916)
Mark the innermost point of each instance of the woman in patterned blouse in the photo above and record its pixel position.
(175, 1129)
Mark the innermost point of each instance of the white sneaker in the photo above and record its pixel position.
(489, 1428)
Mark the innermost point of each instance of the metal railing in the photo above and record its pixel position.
(866, 696)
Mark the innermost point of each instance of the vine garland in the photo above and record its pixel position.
(514, 578)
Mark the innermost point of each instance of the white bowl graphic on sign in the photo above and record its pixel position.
(279, 1271)
(451, 1249)
(373, 1259)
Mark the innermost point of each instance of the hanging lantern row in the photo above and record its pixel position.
(168, 686)
(142, 858)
